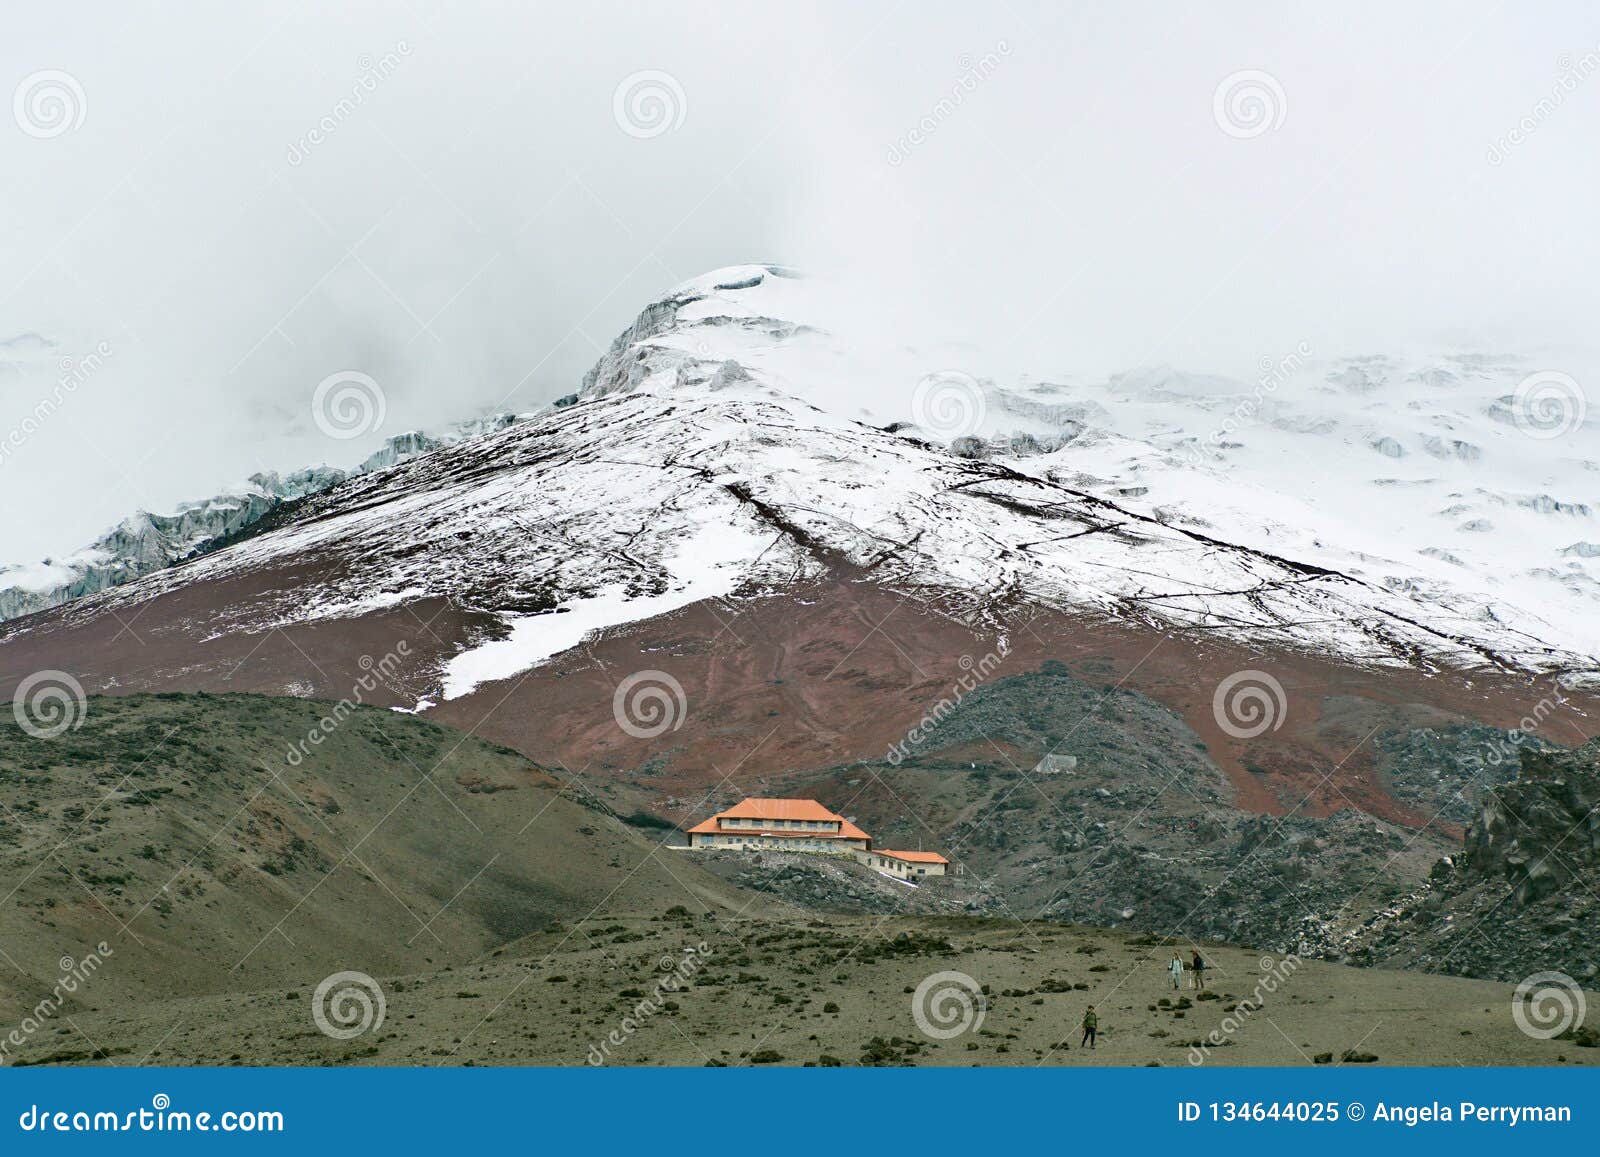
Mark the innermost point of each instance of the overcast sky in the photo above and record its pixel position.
(232, 202)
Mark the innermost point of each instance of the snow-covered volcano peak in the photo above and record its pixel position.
(734, 280)
(730, 315)
(1477, 510)
(1382, 509)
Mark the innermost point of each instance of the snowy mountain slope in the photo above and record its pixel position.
(690, 471)
(701, 463)
(1456, 478)
(145, 542)
(1420, 478)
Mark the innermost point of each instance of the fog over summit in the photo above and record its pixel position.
(464, 204)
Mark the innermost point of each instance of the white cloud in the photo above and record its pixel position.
(476, 223)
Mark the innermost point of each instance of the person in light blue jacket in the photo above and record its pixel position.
(1175, 967)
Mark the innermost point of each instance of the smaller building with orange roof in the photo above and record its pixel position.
(907, 865)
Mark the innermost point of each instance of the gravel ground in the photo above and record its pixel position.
(847, 990)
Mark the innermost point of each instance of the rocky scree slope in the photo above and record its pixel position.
(1520, 896)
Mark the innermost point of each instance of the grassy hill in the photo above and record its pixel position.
(192, 836)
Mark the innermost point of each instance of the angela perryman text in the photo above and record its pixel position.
(1383, 1112)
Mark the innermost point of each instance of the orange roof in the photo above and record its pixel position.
(779, 809)
(847, 831)
(913, 857)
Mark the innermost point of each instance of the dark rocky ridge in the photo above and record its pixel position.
(1145, 830)
(1520, 898)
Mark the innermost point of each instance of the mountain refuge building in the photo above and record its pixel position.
(791, 825)
(804, 825)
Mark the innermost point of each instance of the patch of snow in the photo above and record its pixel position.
(711, 566)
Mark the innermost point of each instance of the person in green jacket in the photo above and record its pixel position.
(1091, 1024)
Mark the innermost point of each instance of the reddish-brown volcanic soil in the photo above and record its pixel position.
(187, 640)
(780, 686)
(838, 673)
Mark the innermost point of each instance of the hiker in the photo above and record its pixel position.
(1175, 967)
(1199, 967)
(1091, 1023)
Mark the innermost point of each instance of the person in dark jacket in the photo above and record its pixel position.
(1091, 1024)
(1199, 967)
